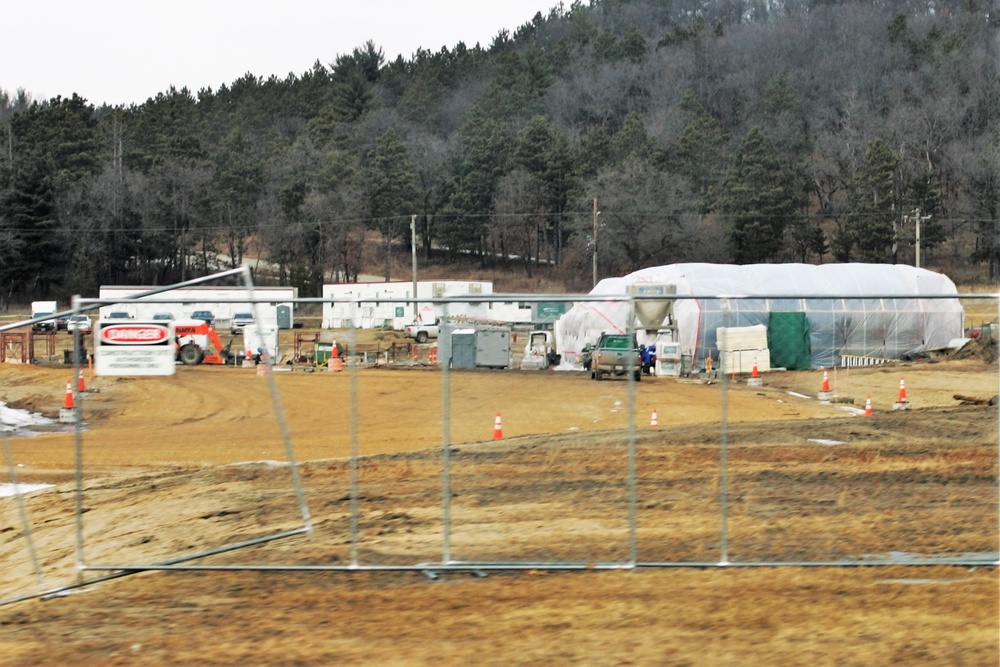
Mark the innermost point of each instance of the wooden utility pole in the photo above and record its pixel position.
(413, 244)
(918, 218)
(596, 213)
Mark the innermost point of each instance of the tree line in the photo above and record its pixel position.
(639, 132)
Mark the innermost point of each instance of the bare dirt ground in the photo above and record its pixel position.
(180, 465)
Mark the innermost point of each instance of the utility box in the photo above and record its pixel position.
(668, 359)
(493, 347)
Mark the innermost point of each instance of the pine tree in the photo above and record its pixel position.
(760, 200)
(390, 189)
(869, 226)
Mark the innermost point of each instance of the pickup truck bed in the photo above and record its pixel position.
(421, 331)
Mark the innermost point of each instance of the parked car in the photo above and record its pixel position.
(163, 316)
(119, 315)
(239, 321)
(206, 315)
(62, 323)
(78, 323)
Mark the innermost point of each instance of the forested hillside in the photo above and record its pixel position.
(728, 131)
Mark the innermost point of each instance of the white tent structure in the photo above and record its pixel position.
(856, 310)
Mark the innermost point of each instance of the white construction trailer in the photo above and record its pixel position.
(277, 312)
(348, 311)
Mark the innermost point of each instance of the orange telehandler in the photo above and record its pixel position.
(193, 337)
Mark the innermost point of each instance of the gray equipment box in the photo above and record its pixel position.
(493, 347)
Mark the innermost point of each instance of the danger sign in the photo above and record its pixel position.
(135, 348)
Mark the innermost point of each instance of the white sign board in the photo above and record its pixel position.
(261, 337)
(134, 348)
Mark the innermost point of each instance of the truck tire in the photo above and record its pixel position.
(598, 375)
(421, 337)
(190, 355)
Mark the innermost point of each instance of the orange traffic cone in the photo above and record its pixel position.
(868, 407)
(336, 363)
(497, 428)
(81, 385)
(901, 402)
(826, 382)
(432, 355)
(69, 396)
(653, 421)
(755, 379)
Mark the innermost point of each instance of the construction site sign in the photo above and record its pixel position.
(134, 348)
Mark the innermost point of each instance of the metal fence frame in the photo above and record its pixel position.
(447, 562)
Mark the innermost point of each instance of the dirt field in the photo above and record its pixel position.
(176, 466)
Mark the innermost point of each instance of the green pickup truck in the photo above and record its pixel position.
(614, 354)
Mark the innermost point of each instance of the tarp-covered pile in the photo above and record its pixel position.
(849, 310)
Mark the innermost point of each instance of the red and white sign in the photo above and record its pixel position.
(134, 334)
(134, 348)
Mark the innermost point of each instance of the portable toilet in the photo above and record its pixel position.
(463, 348)
(284, 313)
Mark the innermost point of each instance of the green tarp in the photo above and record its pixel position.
(788, 341)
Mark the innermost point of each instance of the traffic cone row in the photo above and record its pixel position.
(902, 403)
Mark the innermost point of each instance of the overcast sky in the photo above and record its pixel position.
(126, 51)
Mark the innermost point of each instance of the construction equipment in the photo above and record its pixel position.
(654, 311)
(540, 351)
(193, 338)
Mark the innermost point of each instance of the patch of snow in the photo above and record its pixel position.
(15, 421)
(8, 490)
